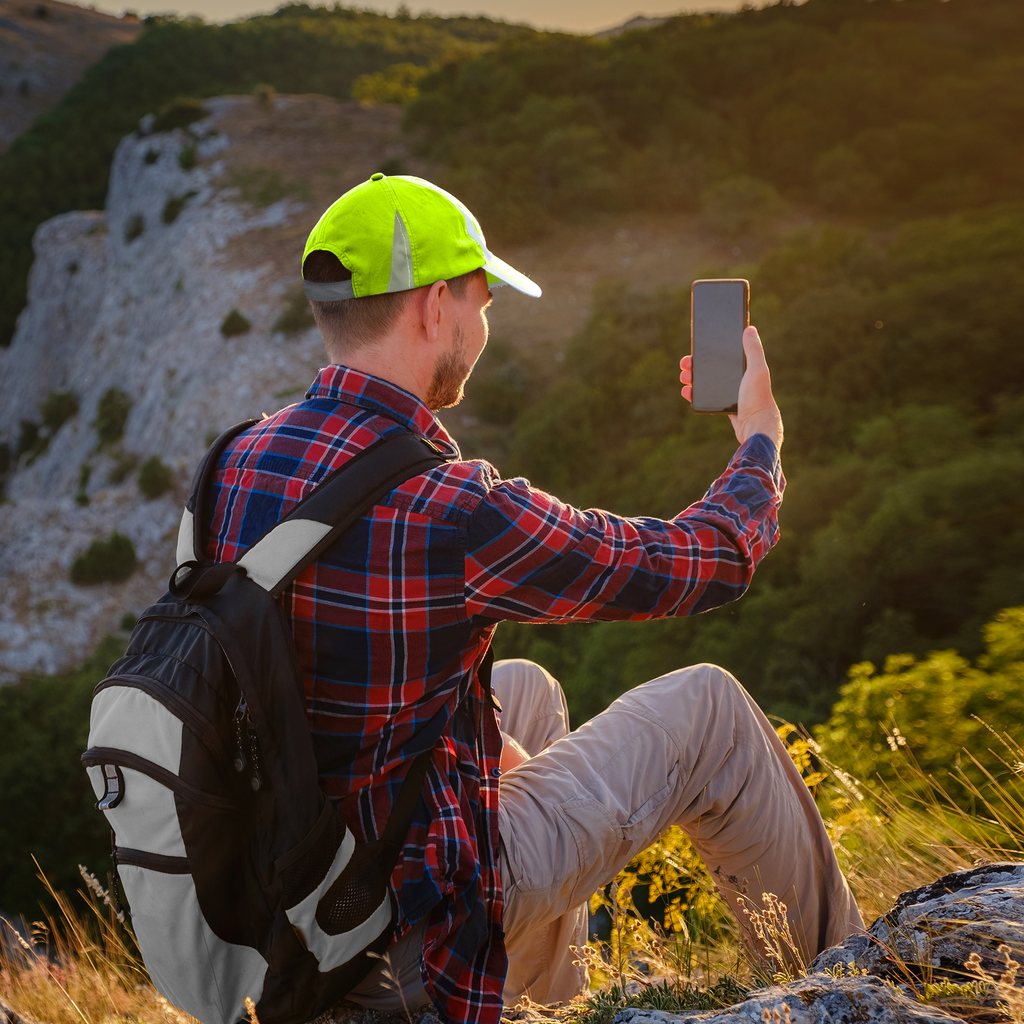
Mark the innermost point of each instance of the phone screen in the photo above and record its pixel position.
(718, 315)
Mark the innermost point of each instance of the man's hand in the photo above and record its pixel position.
(757, 412)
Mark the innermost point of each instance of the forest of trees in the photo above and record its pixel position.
(892, 328)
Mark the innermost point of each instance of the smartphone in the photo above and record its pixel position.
(719, 311)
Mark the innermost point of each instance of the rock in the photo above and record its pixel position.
(8, 1016)
(931, 932)
(818, 999)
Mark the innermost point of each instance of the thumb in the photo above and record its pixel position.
(754, 351)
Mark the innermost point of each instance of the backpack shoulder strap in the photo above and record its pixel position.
(321, 517)
(344, 497)
(191, 543)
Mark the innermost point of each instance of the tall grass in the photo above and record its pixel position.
(80, 967)
(672, 944)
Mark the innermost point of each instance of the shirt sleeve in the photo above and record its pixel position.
(532, 558)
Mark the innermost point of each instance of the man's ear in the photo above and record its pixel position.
(434, 305)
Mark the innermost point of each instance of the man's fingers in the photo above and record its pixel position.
(753, 349)
(686, 373)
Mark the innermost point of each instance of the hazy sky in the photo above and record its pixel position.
(575, 15)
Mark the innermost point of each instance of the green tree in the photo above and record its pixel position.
(47, 806)
(937, 712)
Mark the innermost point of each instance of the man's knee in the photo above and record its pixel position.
(534, 708)
(701, 693)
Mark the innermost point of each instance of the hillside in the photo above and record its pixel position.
(45, 49)
(63, 162)
(858, 162)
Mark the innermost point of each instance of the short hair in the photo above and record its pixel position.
(347, 324)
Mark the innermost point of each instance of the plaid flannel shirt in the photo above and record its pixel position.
(393, 621)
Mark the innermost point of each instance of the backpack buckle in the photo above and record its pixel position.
(113, 792)
(443, 448)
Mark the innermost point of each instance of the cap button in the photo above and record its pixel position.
(376, 177)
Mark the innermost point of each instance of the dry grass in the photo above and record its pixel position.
(80, 968)
(84, 968)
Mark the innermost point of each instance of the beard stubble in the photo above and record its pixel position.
(450, 374)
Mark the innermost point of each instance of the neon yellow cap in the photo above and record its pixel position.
(399, 232)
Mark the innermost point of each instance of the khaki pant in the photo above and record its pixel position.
(690, 749)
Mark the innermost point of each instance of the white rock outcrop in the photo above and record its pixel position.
(109, 307)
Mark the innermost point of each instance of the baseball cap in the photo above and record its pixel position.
(396, 232)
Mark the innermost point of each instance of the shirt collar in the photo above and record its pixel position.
(368, 392)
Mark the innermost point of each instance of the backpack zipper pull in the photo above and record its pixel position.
(256, 781)
(241, 714)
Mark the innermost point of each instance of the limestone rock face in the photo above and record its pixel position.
(818, 999)
(133, 298)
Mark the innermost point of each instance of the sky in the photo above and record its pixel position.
(571, 15)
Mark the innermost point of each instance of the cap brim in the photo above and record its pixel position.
(502, 272)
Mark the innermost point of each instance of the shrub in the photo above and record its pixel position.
(296, 315)
(264, 95)
(174, 206)
(151, 156)
(28, 436)
(234, 323)
(134, 227)
(112, 560)
(111, 415)
(155, 477)
(932, 709)
(58, 408)
(187, 158)
(398, 84)
(179, 113)
(83, 482)
(128, 621)
(5, 458)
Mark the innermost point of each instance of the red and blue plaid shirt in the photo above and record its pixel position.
(393, 621)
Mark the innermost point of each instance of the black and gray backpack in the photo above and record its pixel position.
(241, 877)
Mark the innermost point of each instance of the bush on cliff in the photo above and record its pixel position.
(111, 416)
(105, 561)
(155, 477)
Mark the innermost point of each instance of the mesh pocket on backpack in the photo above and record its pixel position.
(356, 893)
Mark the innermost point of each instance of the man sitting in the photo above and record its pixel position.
(393, 625)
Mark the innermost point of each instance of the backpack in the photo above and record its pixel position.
(242, 879)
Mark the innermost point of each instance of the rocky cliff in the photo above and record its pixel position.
(132, 298)
(199, 222)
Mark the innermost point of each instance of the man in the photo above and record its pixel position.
(394, 622)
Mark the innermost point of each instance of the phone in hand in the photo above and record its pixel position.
(719, 312)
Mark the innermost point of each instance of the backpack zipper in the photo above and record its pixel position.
(176, 704)
(127, 759)
(242, 719)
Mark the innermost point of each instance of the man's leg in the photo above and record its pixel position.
(540, 961)
(691, 749)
